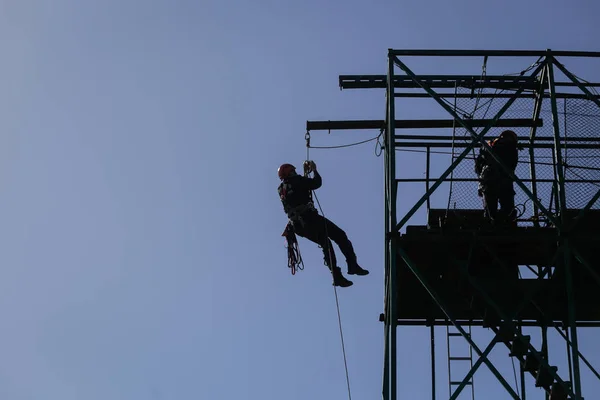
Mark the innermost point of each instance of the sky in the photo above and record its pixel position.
(141, 250)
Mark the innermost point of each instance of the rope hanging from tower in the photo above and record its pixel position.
(295, 259)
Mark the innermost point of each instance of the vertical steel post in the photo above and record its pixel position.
(428, 161)
(563, 220)
(557, 151)
(392, 231)
(387, 307)
(432, 361)
(545, 352)
(569, 356)
(523, 382)
(449, 367)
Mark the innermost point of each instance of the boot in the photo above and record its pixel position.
(355, 269)
(339, 279)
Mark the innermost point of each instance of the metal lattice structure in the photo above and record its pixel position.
(475, 276)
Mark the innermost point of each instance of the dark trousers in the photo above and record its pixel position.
(506, 198)
(322, 231)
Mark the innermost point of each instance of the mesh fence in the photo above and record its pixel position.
(579, 125)
(579, 121)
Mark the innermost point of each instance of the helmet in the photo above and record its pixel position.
(285, 171)
(508, 134)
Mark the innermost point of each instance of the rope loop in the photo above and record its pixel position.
(295, 261)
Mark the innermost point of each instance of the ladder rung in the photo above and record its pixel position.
(455, 383)
(460, 358)
(457, 334)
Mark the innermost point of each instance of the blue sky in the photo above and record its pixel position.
(141, 249)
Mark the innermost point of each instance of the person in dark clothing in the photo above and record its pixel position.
(494, 184)
(295, 192)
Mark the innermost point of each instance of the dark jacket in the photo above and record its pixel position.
(295, 193)
(491, 175)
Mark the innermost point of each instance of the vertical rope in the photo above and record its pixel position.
(453, 139)
(337, 301)
(516, 380)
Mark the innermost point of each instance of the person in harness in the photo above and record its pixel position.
(494, 184)
(295, 192)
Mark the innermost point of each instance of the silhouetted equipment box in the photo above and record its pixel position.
(456, 219)
(493, 258)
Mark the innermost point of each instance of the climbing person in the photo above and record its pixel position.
(295, 192)
(495, 185)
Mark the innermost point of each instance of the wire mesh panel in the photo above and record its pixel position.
(581, 125)
(580, 138)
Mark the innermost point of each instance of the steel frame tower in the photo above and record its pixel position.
(458, 283)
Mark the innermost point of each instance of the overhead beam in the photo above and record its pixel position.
(417, 124)
(520, 138)
(442, 322)
(423, 180)
(436, 81)
(459, 144)
(416, 95)
(448, 81)
(493, 53)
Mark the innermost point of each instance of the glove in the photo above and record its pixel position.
(306, 167)
(309, 166)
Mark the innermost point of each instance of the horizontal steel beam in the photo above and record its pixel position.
(417, 124)
(522, 138)
(422, 180)
(418, 95)
(448, 81)
(493, 53)
(458, 144)
(440, 81)
(442, 322)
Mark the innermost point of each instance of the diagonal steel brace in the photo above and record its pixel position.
(469, 147)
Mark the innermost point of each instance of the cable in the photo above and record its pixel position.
(580, 167)
(516, 380)
(346, 145)
(329, 247)
(379, 144)
(467, 157)
(579, 176)
(337, 302)
(483, 75)
(591, 88)
(453, 141)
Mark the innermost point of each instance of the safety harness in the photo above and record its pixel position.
(295, 216)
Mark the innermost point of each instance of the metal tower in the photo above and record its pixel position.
(456, 270)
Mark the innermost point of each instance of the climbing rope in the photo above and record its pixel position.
(337, 301)
(453, 155)
(516, 380)
(295, 261)
(337, 304)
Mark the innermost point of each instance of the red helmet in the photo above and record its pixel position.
(285, 170)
